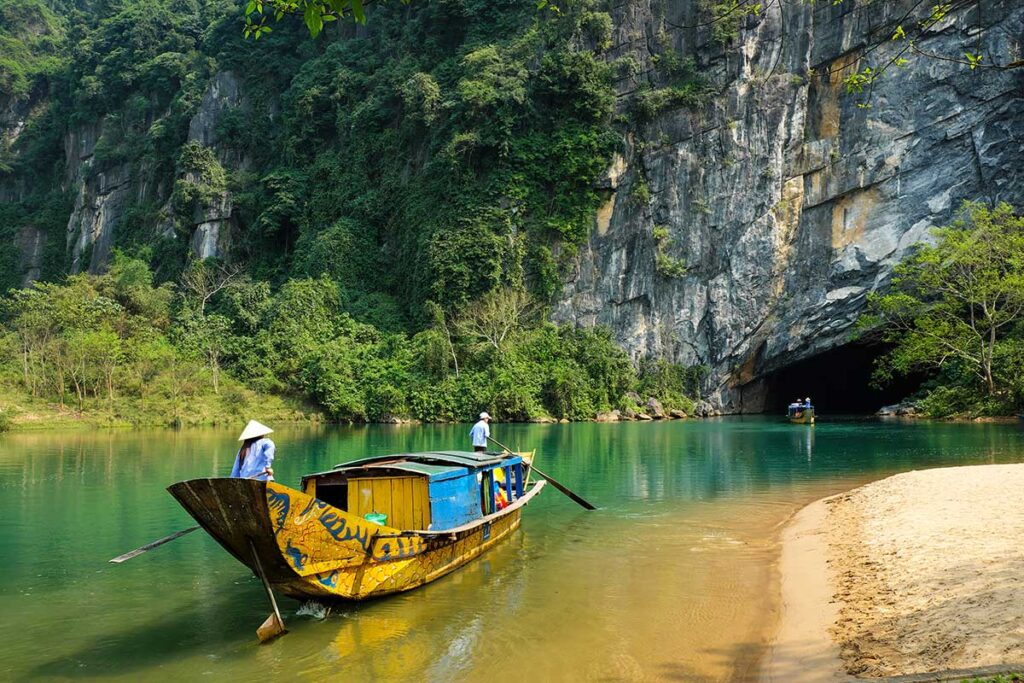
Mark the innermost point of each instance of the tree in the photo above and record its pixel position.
(203, 279)
(957, 301)
(315, 13)
(207, 337)
(439, 342)
(497, 315)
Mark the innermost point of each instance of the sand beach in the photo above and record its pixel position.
(919, 573)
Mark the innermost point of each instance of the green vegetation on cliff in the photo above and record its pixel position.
(956, 312)
(403, 199)
(119, 346)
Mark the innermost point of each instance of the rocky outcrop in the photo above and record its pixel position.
(788, 200)
(214, 222)
(101, 198)
(904, 409)
(655, 409)
(31, 244)
(104, 191)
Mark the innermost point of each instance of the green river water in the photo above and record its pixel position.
(674, 578)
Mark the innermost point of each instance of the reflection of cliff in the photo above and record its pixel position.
(786, 201)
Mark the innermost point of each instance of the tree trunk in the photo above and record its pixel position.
(987, 356)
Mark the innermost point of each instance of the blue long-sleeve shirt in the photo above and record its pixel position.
(479, 433)
(259, 458)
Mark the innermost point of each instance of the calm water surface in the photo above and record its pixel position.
(671, 579)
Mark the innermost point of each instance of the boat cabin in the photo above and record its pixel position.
(433, 491)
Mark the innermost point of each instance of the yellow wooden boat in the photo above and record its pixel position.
(366, 528)
(800, 413)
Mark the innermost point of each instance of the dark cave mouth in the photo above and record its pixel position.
(838, 382)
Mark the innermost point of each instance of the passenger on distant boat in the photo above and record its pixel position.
(255, 457)
(480, 432)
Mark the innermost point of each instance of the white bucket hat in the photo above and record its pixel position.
(254, 429)
(485, 416)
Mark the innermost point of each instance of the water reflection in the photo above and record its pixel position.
(668, 579)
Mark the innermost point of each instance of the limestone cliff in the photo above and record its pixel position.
(101, 197)
(787, 200)
(744, 226)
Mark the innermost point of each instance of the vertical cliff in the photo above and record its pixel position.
(745, 232)
(448, 148)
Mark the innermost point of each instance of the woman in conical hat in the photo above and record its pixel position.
(256, 455)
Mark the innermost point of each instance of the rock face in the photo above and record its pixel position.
(787, 201)
(655, 409)
(211, 229)
(103, 196)
(100, 199)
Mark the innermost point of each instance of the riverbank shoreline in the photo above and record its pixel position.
(915, 574)
(41, 416)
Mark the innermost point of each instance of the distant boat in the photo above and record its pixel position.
(800, 413)
(366, 528)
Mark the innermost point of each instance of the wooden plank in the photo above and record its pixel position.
(408, 516)
(420, 499)
(360, 496)
(397, 503)
(382, 497)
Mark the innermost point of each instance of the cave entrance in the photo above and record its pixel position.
(838, 382)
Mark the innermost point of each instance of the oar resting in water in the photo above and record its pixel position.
(579, 500)
(149, 546)
(252, 461)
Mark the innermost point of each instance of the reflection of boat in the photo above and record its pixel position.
(800, 413)
(431, 513)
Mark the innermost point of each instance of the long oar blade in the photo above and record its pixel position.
(561, 487)
(579, 500)
(149, 546)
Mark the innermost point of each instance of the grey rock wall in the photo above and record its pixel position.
(103, 196)
(212, 225)
(787, 201)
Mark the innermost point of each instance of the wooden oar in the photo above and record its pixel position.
(273, 626)
(579, 500)
(149, 546)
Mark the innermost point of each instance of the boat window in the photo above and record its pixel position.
(335, 494)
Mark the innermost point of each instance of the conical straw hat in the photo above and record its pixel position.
(254, 429)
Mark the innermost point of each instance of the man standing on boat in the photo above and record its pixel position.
(480, 432)
(256, 455)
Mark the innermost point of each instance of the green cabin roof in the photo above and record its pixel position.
(432, 472)
(457, 458)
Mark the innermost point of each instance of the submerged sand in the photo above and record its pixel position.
(920, 572)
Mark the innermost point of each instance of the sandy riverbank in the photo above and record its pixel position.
(920, 572)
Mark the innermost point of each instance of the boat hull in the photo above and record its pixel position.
(311, 550)
(804, 417)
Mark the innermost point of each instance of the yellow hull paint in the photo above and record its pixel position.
(337, 555)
